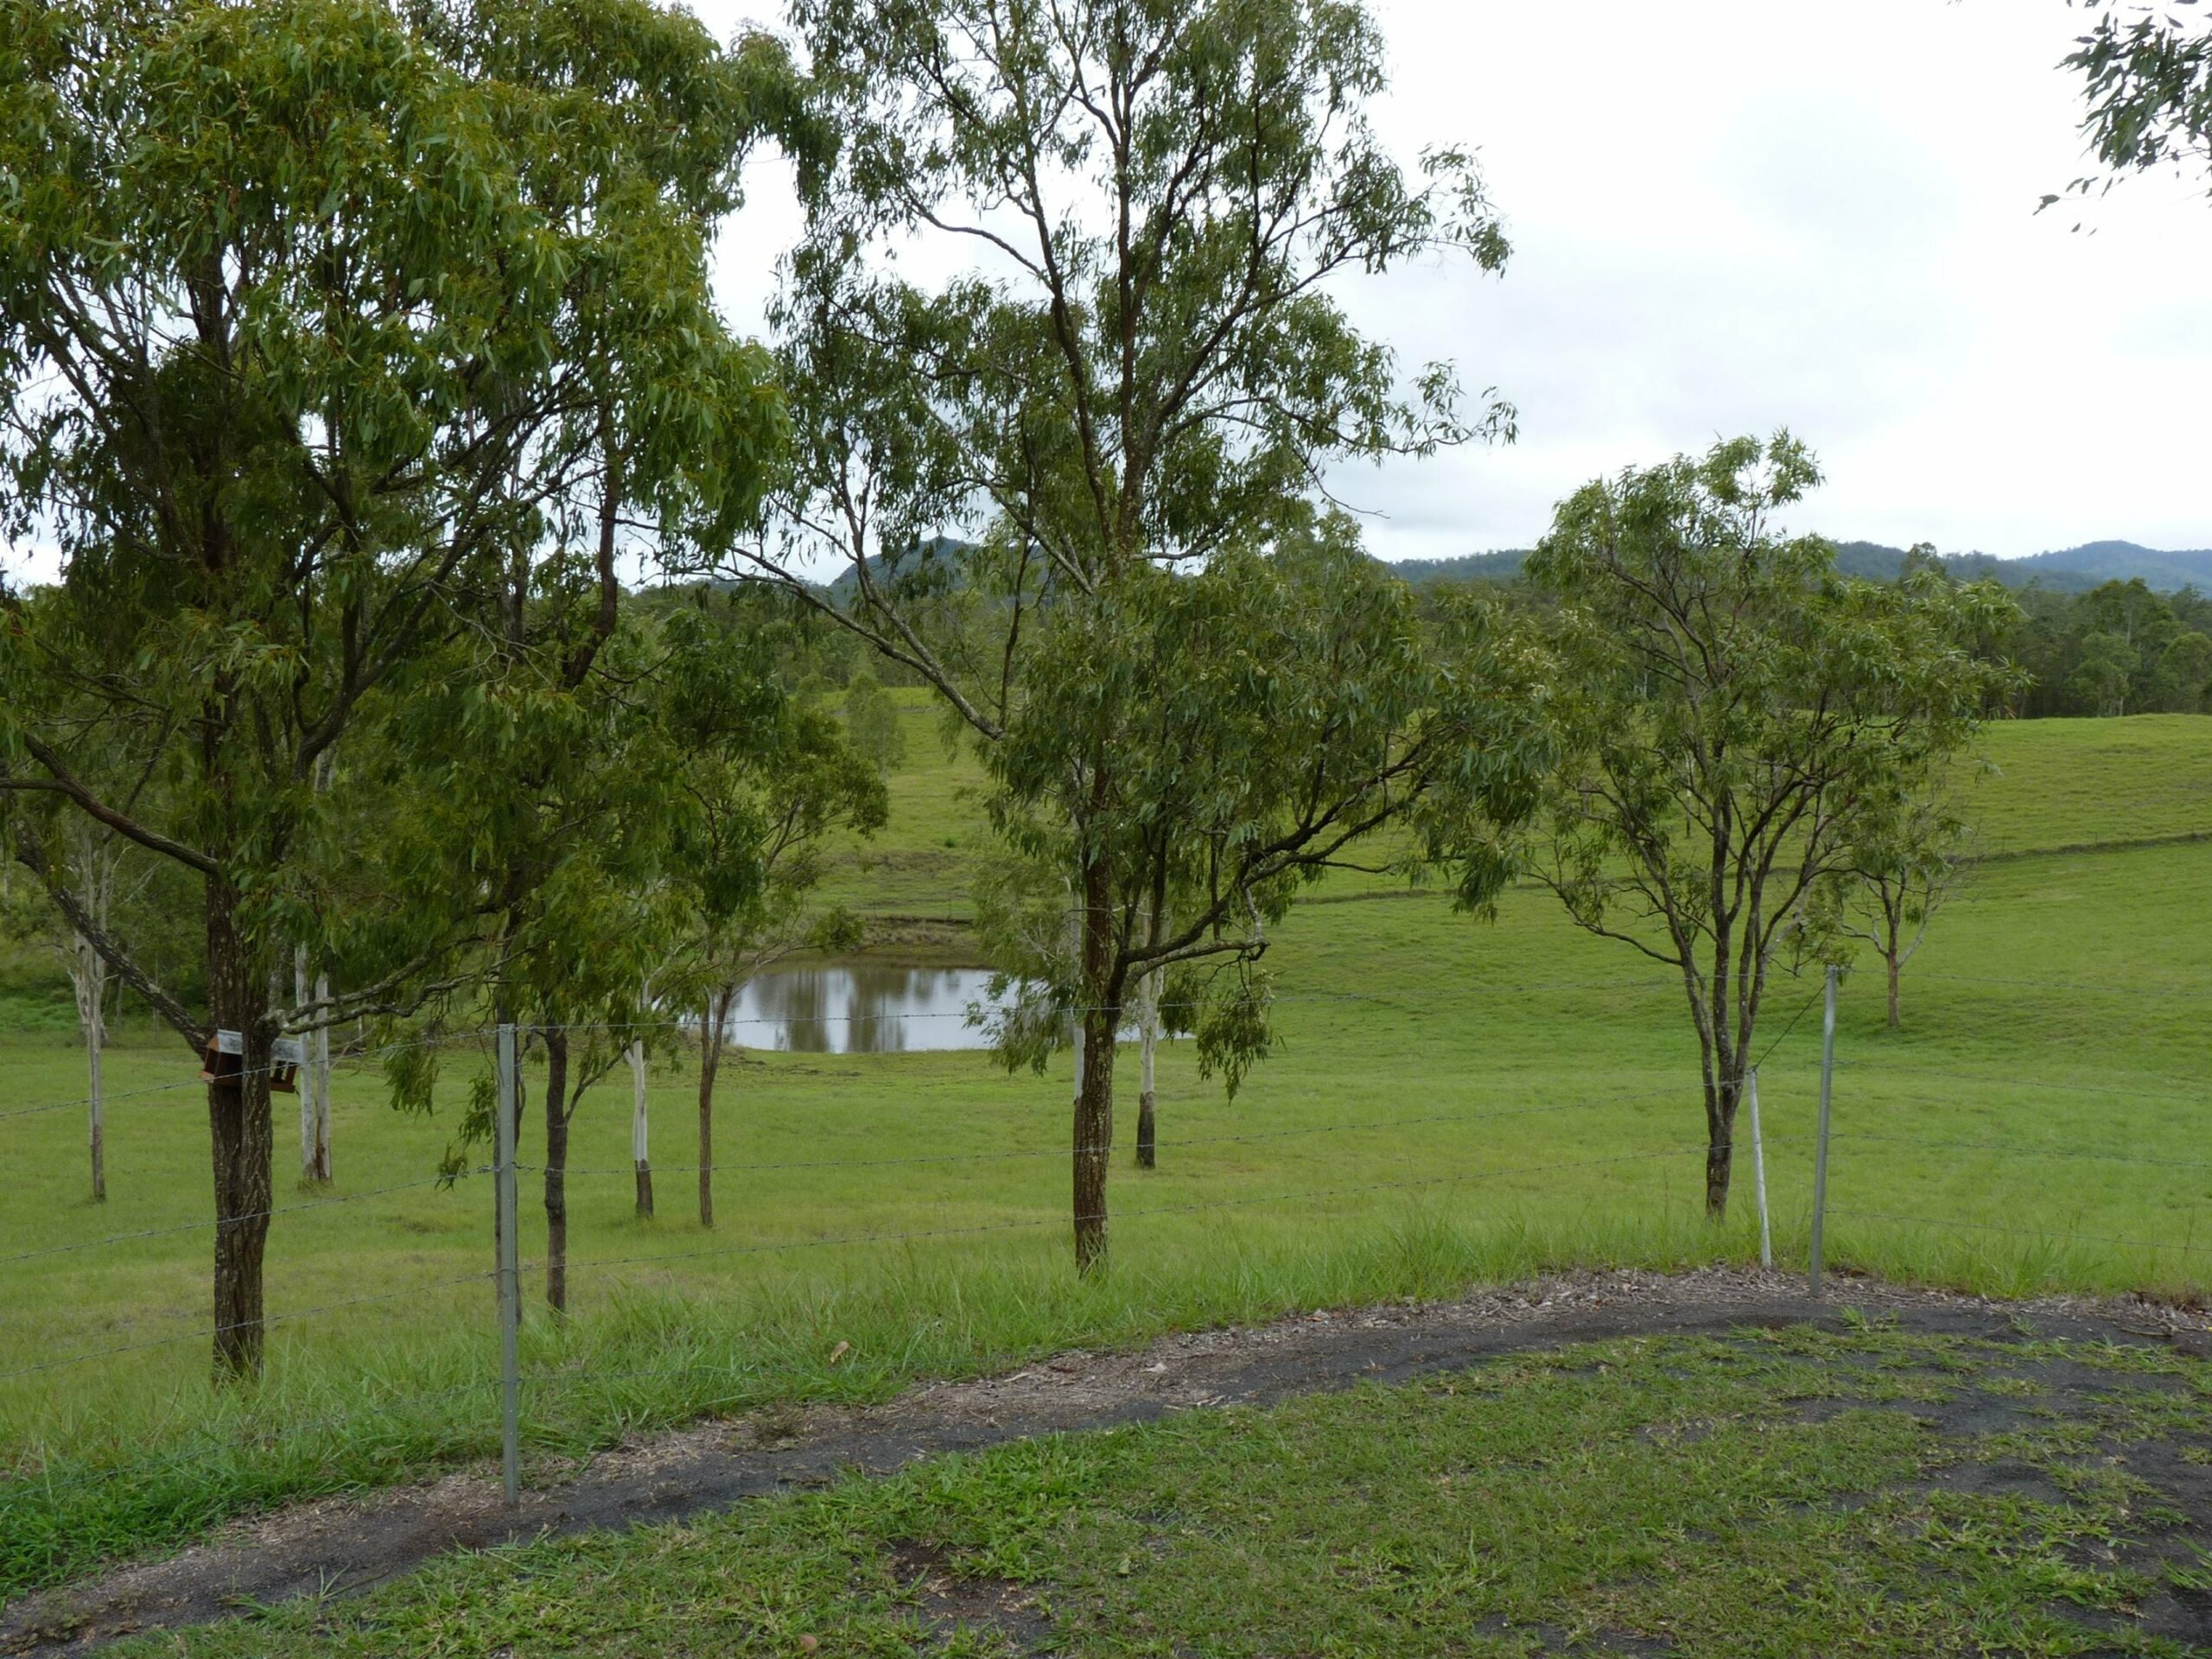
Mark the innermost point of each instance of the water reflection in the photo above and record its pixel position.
(865, 1009)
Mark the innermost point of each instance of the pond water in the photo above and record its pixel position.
(864, 1009)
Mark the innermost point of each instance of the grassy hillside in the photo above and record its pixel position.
(2034, 786)
(1449, 1101)
(2054, 783)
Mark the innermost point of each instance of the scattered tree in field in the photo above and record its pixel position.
(871, 721)
(1735, 718)
(592, 827)
(1148, 376)
(314, 316)
(1909, 854)
(93, 862)
(1268, 713)
(767, 781)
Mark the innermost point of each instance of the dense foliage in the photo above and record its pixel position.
(340, 342)
(2120, 649)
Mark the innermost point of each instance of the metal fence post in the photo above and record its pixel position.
(510, 1278)
(1821, 1147)
(1759, 1173)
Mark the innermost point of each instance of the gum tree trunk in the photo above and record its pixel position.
(1722, 1071)
(641, 1136)
(1148, 1034)
(313, 1162)
(243, 1140)
(1097, 1027)
(89, 973)
(1094, 1137)
(711, 1037)
(98, 1132)
(1722, 1095)
(557, 1169)
(319, 1070)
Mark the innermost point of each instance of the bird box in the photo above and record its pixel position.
(225, 1058)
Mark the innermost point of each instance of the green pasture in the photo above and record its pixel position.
(1451, 1101)
(2034, 786)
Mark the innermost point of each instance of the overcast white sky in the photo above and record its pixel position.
(1734, 214)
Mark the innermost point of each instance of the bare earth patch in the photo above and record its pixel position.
(342, 1545)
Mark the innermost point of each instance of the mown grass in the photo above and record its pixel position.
(1450, 1102)
(1779, 1492)
(2080, 783)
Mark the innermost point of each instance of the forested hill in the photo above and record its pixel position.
(2075, 569)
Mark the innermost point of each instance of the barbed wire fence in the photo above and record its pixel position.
(505, 1387)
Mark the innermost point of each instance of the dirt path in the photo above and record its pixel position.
(342, 1545)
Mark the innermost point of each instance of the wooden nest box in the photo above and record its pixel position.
(225, 1058)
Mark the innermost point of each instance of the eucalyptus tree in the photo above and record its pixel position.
(1147, 370)
(768, 781)
(1733, 716)
(872, 722)
(105, 875)
(1239, 729)
(94, 864)
(1911, 851)
(315, 317)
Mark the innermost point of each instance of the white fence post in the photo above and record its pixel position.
(1821, 1147)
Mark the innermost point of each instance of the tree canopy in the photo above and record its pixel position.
(1143, 370)
(1733, 711)
(316, 318)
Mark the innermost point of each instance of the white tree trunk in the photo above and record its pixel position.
(1148, 1036)
(640, 1129)
(315, 1087)
(94, 862)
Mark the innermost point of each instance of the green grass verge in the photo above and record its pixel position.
(1791, 1492)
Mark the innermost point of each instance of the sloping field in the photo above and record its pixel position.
(1451, 1103)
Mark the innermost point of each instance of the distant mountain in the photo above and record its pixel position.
(935, 555)
(1468, 566)
(2124, 561)
(2073, 571)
